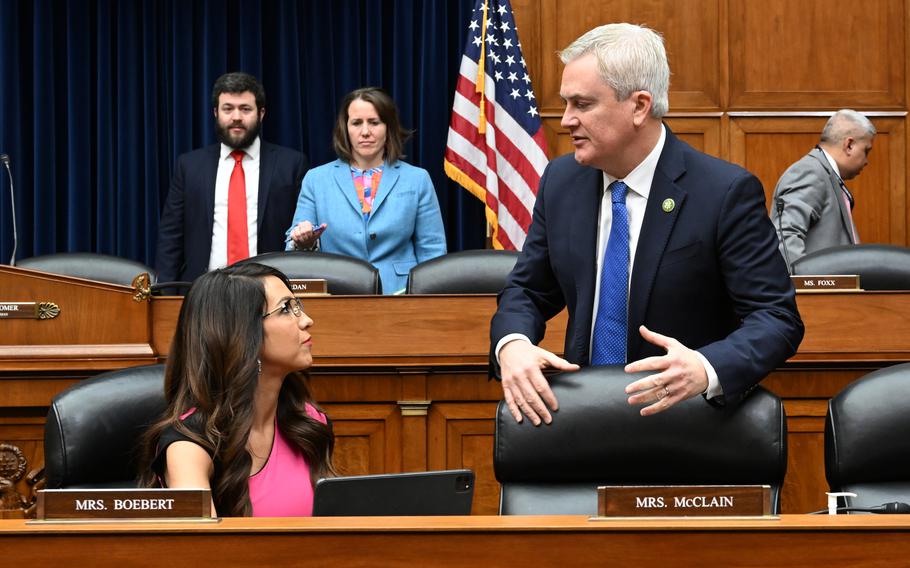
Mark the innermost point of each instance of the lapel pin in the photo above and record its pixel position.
(668, 205)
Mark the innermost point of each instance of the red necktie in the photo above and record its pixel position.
(238, 243)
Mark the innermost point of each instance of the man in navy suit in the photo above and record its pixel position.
(198, 231)
(691, 287)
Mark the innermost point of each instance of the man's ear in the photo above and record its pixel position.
(848, 145)
(261, 113)
(642, 109)
(215, 112)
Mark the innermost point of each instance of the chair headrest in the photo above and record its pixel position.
(92, 266)
(345, 275)
(93, 428)
(465, 272)
(867, 429)
(597, 436)
(880, 267)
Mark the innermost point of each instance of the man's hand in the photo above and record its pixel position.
(524, 387)
(679, 375)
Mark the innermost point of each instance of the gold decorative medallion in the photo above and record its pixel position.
(141, 284)
(668, 205)
(48, 310)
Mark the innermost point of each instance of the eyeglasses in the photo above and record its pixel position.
(291, 305)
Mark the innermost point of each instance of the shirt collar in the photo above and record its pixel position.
(639, 179)
(252, 150)
(830, 161)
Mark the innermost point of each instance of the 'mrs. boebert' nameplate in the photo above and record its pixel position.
(826, 283)
(309, 286)
(82, 504)
(684, 501)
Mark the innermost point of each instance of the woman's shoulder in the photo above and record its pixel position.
(313, 412)
(326, 168)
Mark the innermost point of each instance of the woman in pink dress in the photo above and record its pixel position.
(240, 419)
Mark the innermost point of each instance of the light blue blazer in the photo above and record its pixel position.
(404, 228)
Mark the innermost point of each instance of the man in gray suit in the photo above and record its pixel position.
(812, 207)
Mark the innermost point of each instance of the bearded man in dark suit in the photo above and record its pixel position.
(233, 199)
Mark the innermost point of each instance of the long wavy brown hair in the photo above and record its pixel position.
(213, 367)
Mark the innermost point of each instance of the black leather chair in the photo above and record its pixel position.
(867, 438)
(93, 428)
(880, 267)
(344, 275)
(101, 267)
(465, 272)
(597, 438)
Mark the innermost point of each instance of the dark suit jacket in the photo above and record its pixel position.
(185, 230)
(707, 273)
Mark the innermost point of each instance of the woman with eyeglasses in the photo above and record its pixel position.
(240, 419)
(369, 203)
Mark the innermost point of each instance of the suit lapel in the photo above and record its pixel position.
(390, 176)
(836, 192)
(341, 173)
(209, 176)
(266, 170)
(655, 232)
(584, 224)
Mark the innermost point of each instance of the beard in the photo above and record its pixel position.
(237, 142)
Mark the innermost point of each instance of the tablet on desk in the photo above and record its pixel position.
(395, 494)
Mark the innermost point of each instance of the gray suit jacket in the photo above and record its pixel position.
(815, 215)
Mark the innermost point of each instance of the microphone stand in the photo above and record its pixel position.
(12, 199)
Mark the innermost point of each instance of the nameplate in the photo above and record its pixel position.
(301, 286)
(97, 504)
(684, 501)
(29, 310)
(826, 283)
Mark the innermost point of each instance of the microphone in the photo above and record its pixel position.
(780, 233)
(892, 508)
(4, 159)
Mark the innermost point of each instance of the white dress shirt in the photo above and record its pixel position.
(250, 163)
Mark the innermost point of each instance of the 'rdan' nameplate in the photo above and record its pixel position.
(826, 283)
(94, 504)
(684, 501)
(309, 286)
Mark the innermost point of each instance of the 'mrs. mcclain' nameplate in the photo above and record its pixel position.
(309, 286)
(826, 283)
(684, 501)
(123, 504)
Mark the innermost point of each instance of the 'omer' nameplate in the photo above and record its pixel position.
(120, 504)
(309, 286)
(684, 501)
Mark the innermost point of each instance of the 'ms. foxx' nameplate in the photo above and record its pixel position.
(684, 501)
(309, 286)
(94, 504)
(826, 283)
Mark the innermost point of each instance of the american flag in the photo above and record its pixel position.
(496, 148)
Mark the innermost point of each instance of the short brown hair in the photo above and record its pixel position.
(395, 136)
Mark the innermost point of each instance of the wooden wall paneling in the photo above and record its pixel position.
(367, 437)
(768, 143)
(700, 131)
(691, 29)
(817, 54)
(461, 436)
(805, 484)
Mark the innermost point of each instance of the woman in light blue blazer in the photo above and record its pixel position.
(368, 203)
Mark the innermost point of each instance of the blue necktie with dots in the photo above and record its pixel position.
(609, 339)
